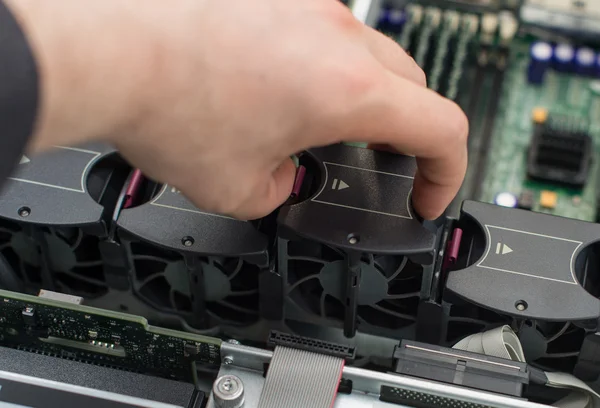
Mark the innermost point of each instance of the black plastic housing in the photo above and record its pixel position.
(55, 214)
(352, 253)
(524, 264)
(462, 368)
(203, 268)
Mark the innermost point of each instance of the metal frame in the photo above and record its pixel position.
(247, 363)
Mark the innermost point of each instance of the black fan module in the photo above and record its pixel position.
(533, 271)
(54, 212)
(351, 250)
(201, 267)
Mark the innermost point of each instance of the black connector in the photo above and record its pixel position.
(462, 368)
(277, 338)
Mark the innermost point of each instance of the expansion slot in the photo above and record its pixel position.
(68, 330)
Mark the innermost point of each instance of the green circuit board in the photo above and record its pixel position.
(102, 337)
(567, 95)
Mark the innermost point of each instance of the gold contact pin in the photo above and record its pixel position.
(540, 115)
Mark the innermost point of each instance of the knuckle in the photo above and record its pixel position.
(457, 124)
(420, 75)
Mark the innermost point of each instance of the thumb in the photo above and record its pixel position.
(272, 192)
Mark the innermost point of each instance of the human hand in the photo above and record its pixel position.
(213, 97)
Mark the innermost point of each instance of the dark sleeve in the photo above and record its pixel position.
(18, 92)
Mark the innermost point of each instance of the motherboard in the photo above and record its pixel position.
(137, 278)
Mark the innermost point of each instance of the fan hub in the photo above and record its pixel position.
(373, 284)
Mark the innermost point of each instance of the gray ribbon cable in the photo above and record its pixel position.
(301, 379)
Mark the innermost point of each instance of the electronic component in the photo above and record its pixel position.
(575, 18)
(506, 199)
(564, 58)
(548, 199)
(560, 152)
(277, 338)
(47, 294)
(63, 329)
(540, 58)
(540, 116)
(585, 61)
(526, 200)
(452, 366)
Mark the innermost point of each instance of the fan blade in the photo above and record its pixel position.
(469, 320)
(395, 314)
(149, 278)
(77, 241)
(562, 355)
(84, 278)
(88, 264)
(151, 258)
(22, 271)
(237, 308)
(244, 293)
(322, 304)
(307, 258)
(172, 299)
(301, 281)
(237, 270)
(560, 333)
(403, 296)
(399, 270)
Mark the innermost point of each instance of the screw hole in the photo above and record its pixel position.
(353, 239)
(521, 305)
(187, 241)
(24, 211)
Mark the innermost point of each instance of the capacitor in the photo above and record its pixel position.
(540, 59)
(506, 199)
(598, 65)
(395, 20)
(391, 20)
(563, 57)
(585, 61)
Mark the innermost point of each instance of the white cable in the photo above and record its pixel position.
(502, 342)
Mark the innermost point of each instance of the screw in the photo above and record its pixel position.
(521, 305)
(353, 239)
(228, 392)
(24, 212)
(228, 360)
(187, 241)
(227, 385)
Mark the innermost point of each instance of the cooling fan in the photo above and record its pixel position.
(55, 210)
(352, 252)
(162, 279)
(75, 263)
(20, 259)
(535, 272)
(388, 298)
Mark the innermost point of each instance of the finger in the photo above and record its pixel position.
(384, 148)
(417, 121)
(273, 192)
(393, 57)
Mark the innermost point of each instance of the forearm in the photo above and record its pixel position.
(90, 72)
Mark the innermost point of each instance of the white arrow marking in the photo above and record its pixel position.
(506, 249)
(24, 159)
(343, 185)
